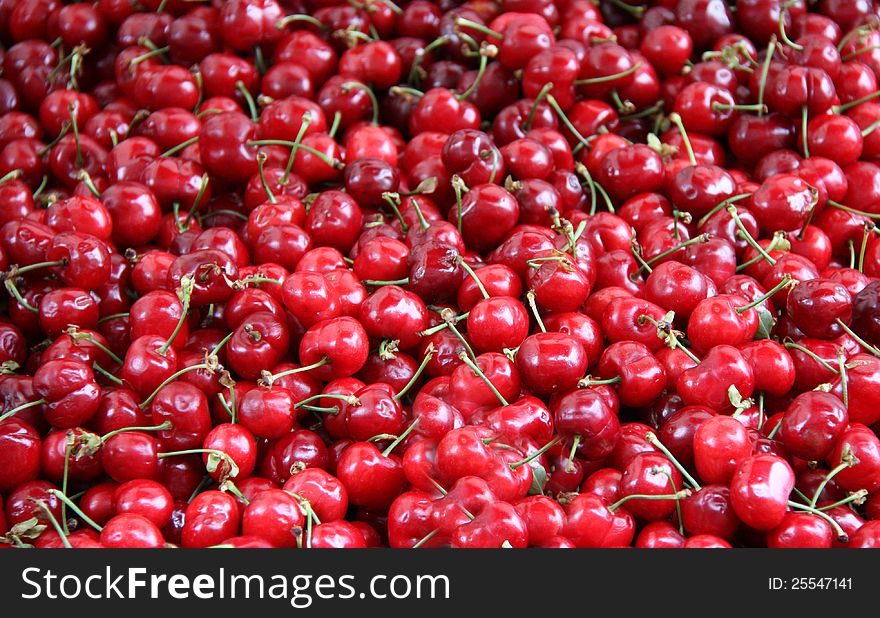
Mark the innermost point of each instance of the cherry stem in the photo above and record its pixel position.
(765, 71)
(184, 293)
(377, 283)
(843, 465)
(450, 320)
(608, 78)
(702, 238)
(458, 187)
(668, 475)
(786, 281)
(389, 199)
(542, 94)
(23, 406)
(748, 237)
(282, 23)
(414, 77)
(551, 100)
(533, 305)
(439, 327)
(479, 372)
(536, 454)
(181, 146)
(158, 51)
(805, 117)
(414, 204)
(61, 532)
(675, 119)
(870, 128)
(841, 535)
(16, 271)
(581, 169)
(859, 52)
(257, 279)
(230, 487)
(334, 126)
(778, 238)
(590, 381)
(74, 126)
(470, 271)
(329, 161)
(773, 433)
(230, 406)
(267, 379)
(861, 213)
(635, 11)
(413, 92)
(401, 438)
(838, 109)
(684, 493)
(858, 31)
(68, 446)
(856, 496)
(86, 179)
(79, 336)
(486, 52)
(146, 402)
(575, 443)
(426, 538)
(163, 427)
(261, 165)
(461, 21)
(13, 291)
(429, 354)
(652, 439)
(869, 228)
(784, 36)
(10, 176)
(373, 101)
(872, 349)
(795, 346)
(197, 202)
(73, 507)
(349, 399)
(249, 99)
(107, 374)
(63, 62)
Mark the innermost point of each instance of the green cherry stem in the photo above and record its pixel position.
(73, 507)
(479, 372)
(652, 439)
(429, 354)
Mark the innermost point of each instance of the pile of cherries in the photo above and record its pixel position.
(504, 273)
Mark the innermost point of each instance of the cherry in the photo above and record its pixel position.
(327, 496)
(709, 383)
(638, 376)
(801, 530)
(20, 454)
(586, 416)
(274, 516)
(131, 530)
(759, 490)
(372, 478)
(209, 519)
(709, 511)
(591, 523)
(720, 444)
(261, 340)
(861, 444)
(144, 497)
(550, 362)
